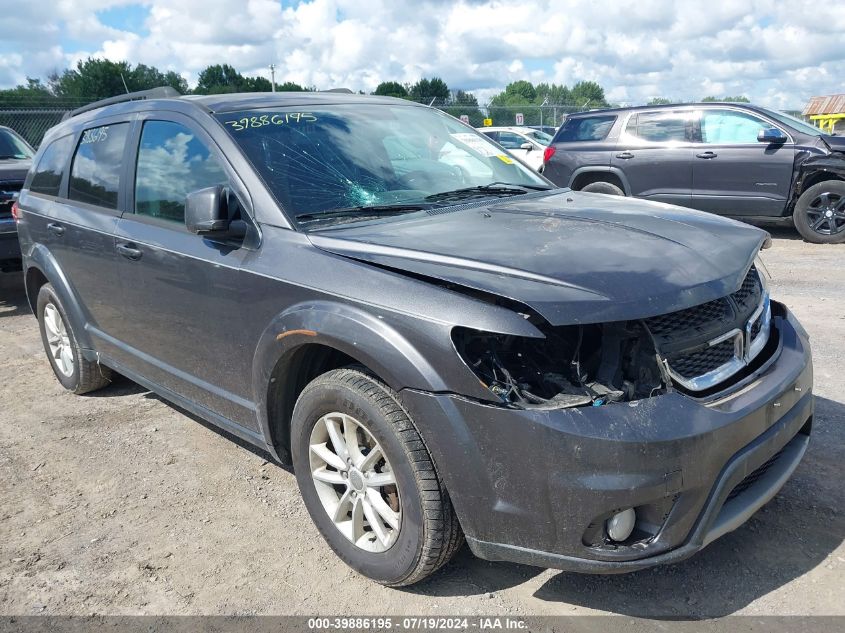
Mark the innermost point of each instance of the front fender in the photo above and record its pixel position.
(358, 334)
(41, 259)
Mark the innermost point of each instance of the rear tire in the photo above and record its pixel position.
(395, 533)
(819, 214)
(72, 370)
(603, 187)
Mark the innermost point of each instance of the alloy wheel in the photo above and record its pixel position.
(58, 340)
(826, 214)
(355, 482)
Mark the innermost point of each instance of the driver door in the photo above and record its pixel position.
(182, 299)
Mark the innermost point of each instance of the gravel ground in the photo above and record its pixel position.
(119, 503)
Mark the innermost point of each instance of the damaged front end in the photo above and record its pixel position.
(697, 351)
(572, 366)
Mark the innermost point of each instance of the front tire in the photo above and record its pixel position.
(603, 187)
(819, 213)
(368, 480)
(72, 370)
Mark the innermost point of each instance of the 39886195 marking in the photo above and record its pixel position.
(261, 120)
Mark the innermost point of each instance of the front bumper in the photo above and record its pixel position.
(536, 486)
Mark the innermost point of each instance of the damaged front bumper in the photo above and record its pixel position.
(535, 486)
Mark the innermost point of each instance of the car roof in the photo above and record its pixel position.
(668, 106)
(250, 100)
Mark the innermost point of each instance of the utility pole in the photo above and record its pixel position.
(545, 101)
(273, 76)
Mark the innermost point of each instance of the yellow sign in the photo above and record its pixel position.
(488, 122)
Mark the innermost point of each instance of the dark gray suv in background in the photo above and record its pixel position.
(732, 159)
(442, 344)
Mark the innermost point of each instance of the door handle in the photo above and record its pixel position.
(129, 252)
(706, 155)
(56, 229)
(624, 155)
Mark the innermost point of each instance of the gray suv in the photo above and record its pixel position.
(443, 345)
(737, 160)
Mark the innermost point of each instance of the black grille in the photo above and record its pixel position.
(756, 326)
(748, 296)
(749, 481)
(697, 318)
(703, 361)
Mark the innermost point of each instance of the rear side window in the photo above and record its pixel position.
(658, 127)
(47, 176)
(172, 162)
(594, 128)
(95, 174)
(509, 140)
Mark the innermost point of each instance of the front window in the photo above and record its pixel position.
(13, 147)
(730, 126)
(541, 137)
(324, 161)
(795, 123)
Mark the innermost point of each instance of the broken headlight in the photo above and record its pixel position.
(571, 366)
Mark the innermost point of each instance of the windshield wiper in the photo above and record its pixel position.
(363, 211)
(494, 188)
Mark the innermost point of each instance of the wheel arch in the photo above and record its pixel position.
(584, 176)
(41, 268)
(310, 339)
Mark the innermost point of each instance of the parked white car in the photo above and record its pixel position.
(523, 142)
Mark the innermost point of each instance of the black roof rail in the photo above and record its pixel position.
(162, 92)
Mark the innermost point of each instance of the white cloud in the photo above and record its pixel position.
(774, 51)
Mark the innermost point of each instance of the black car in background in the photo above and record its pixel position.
(737, 160)
(442, 343)
(15, 160)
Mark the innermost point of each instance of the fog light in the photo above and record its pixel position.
(621, 524)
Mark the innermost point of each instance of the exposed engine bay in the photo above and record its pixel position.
(573, 366)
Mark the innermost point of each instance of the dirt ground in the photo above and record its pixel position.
(119, 503)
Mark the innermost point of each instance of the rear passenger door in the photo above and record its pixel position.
(72, 208)
(655, 154)
(181, 293)
(734, 173)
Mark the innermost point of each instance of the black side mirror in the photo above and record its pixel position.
(771, 135)
(207, 213)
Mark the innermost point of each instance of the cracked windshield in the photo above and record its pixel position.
(354, 162)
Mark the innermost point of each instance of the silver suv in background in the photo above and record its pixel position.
(737, 160)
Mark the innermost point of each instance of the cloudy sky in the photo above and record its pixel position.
(777, 52)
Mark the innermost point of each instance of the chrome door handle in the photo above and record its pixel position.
(706, 155)
(129, 252)
(624, 155)
(56, 229)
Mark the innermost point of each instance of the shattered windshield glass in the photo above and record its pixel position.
(357, 160)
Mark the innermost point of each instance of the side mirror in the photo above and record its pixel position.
(771, 135)
(527, 146)
(207, 213)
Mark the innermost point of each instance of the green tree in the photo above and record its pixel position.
(739, 99)
(554, 93)
(522, 88)
(588, 94)
(219, 79)
(659, 101)
(391, 89)
(427, 89)
(256, 84)
(461, 103)
(290, 86)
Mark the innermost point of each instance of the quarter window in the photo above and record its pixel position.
(172, 162)
(594, 128)
(95, 174)
(658, 127)
(47, 177)
(730, 126)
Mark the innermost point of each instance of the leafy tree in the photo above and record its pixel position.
(256, 84)
(588, 94)
(427, 89)
(739, 99)
(219, 79)
(464, 103)
(289, 86)
(523, 89)
(556, 94)
(659, 101)
(391, 89)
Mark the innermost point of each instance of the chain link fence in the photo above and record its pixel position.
(31, 123)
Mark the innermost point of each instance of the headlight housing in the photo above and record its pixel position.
(571, 366)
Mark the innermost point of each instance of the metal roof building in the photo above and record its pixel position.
(826, 111)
